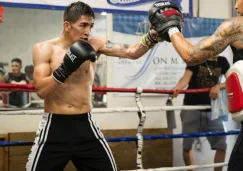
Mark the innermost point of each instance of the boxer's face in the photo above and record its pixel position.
(239, 7)
(80, 29)
(16, 68)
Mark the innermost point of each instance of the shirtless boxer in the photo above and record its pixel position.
(164, 18)
(64, 70)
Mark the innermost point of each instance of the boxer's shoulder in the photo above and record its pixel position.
(97, 42)
(43, 50)
(43, 46)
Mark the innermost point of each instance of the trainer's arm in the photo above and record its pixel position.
(227, 33)
(44, 82)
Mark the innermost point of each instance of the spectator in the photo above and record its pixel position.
(204, 75)
(18, 99)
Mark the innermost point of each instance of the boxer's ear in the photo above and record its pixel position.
(66, 26)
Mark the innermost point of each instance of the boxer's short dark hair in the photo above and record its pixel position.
(77, 9)
(17, 60)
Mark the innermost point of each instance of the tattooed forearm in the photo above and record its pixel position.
(227, 33)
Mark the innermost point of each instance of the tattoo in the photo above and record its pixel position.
(126, 51)
(111, 45)
(227, 33)
(126, 46)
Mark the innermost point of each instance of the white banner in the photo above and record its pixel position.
(160, 68)
(128, 5)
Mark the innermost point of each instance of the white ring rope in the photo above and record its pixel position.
(183, 167)
(24, 111)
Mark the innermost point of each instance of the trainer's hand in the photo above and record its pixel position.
(165, 18)
(214, 92)
(77, 54)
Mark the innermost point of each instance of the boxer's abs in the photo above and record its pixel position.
(72, 97)
(71, 102)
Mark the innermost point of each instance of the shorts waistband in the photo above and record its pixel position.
(68, 116)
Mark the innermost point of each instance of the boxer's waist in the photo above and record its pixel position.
(67, 109)
(66, 117)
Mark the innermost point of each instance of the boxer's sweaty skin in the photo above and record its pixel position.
(74, 96)
(230, 32)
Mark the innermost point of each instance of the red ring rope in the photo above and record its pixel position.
(31, 88)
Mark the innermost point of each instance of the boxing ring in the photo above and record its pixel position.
(139, 109)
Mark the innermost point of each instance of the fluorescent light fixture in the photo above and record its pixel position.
(103, 13)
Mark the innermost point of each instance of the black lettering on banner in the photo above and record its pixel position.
(158, 60)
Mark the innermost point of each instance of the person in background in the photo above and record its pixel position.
(204, 75)
(16, 99)
(2, 73)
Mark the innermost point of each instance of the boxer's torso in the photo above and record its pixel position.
(74, 96)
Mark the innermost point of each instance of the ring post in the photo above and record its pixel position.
(139, 135)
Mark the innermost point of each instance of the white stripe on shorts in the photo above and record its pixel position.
(39, 142)
(98, 134)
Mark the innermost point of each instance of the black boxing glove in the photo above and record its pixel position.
(163, 16)
(77, 54)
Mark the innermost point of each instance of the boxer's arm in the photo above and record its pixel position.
(44, 82)
(227, 33)
(133, 51)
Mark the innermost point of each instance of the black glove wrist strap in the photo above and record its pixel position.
(61, 74)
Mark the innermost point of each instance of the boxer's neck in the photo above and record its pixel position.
(65, 41)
